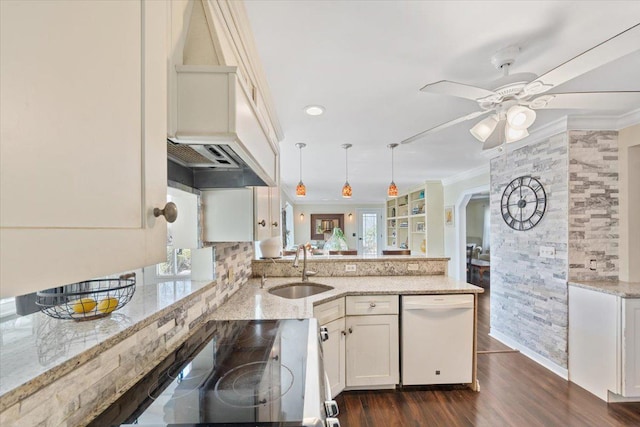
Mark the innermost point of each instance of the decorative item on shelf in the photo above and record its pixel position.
(87, 300)
(336, 242)
(420, 226)
(404, 224)
(392, 191)
(301, 190)
(421, 195)
(393, 211)
(346, 188)
(423, 246)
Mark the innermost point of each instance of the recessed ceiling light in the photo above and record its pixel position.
(314, 110)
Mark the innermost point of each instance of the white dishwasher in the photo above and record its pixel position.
(437, 339)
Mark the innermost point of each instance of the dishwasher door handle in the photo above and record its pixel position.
(443, 306)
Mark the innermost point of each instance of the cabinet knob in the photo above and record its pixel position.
(344, 333)
(372, 304)
(262, 223)
(275, 223)
(170, 212)
(350, 330)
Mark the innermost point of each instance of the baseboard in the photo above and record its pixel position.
(541, 360)
(616, 398)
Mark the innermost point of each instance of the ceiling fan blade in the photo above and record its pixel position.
(445, 125)
(616, 47)
(590, 101)
(445, 87)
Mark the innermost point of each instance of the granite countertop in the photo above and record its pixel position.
(621, 289)
(37, 344)
(252, 302)
(369, 258)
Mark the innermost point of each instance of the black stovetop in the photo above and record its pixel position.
(229, 373)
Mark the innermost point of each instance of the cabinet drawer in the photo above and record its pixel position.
(329, 311)
(372, 304)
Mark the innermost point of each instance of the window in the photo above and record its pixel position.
(178, 264)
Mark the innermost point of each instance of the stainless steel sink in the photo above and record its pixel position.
(299, 290)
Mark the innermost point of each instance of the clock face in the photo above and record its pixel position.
(523, 203)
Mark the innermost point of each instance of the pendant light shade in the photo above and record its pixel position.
(346, 188)
(392, 191)
(301, 190)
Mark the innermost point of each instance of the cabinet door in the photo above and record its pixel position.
(267, 212)
(334, 351)
(228, 215)
(372, 350)
(83, 130)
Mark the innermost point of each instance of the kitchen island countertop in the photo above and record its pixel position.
(253, 302)
(615, 287)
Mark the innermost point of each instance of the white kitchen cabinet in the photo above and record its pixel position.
(334, 355)
(415, 220)
(331, 316)
(267, 212)
(184, 232)
(372, 343)
(372, 351)
(228, 215)
(604, 351)
(83, 104)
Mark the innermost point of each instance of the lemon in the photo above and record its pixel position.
(83, 305)
(107, 305)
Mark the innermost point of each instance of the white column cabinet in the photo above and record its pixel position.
(83, 104)
(631, 347)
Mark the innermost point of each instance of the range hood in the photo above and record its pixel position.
(219, 134)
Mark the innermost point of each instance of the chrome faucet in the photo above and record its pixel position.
(305, 273)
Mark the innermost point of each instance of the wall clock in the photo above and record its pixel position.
(523, 203)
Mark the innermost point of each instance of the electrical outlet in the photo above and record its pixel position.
(547, 252)
(412, 267)
(231, 275)
(593, 265)
(350, 267)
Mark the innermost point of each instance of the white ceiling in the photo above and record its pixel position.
(365, 61)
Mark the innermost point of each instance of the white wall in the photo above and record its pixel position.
(629, 176)
(302, 228)
(454, 190)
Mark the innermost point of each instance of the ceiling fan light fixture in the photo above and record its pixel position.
(301, 190)
(513, 135)
(497, 137)
(520, 117)
(484, 128)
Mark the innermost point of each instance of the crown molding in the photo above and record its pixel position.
(468, 174)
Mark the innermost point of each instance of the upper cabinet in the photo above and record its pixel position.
(415, 220)
(267, 212)
(83, 103)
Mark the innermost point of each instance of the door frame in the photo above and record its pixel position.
(379, 232)
(460, 269)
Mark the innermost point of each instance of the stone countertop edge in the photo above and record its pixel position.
(58, 370)
(254, 302)
(613, 287)
(351, 258)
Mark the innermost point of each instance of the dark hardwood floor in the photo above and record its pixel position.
(515, 391)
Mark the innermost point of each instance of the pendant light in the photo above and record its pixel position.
(346, 189)
(393, 189)
(301, 190)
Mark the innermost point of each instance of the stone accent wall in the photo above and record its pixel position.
(89, 388)
(529, 293)
(593, 205)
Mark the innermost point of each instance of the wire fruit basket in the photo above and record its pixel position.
(87, 300)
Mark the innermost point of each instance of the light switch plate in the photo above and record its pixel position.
(412, 267)
(350, 267)
(547, 252)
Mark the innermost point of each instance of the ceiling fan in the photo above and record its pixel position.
(511, 105)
